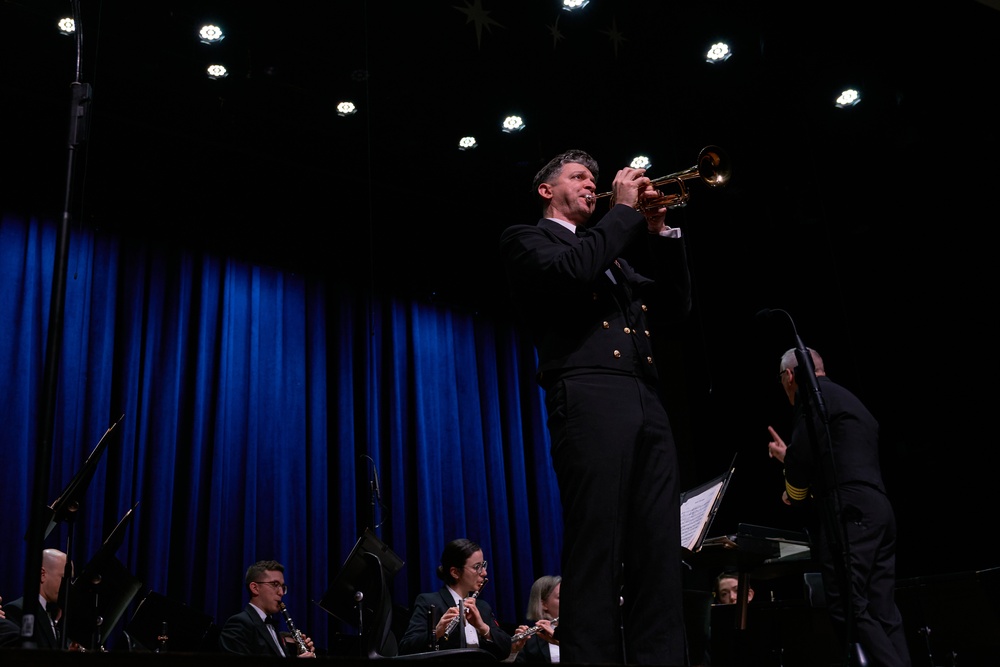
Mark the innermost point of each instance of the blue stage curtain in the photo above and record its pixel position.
(259, 407)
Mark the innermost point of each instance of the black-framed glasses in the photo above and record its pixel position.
(278, 586)
(478, 567)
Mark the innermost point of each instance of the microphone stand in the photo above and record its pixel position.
(80, 103)
(376, 494)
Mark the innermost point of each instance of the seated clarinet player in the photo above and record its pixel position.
(253, 631)
(435, 623)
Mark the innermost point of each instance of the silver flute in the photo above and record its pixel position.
(532, 630)
(461, 610)
(299, 639)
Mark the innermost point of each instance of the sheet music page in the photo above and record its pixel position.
(695, 512)
(789, 549)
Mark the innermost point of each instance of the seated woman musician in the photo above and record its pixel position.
(538, 643)
(435, 623)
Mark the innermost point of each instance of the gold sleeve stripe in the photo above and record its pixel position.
(795, 493)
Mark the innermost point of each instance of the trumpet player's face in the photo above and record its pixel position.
(568, 194)
(472, 574)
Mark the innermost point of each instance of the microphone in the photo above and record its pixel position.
(807, 376)
(375, 489)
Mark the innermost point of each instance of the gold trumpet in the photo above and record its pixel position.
(713, 168)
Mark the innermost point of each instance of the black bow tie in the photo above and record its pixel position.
(269, 620)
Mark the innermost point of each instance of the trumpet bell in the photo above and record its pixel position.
(714, 166)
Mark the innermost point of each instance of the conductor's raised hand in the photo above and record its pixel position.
(776, 448)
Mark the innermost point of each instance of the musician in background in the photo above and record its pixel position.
(46, 630)
(10, 633)
(727, 588)
(850, 494)
(593, 316)
(543, 612)
(254, 630)
(463, 571)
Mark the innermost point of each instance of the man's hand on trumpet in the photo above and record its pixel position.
(632, 187)
(656, 218)
(628, 185)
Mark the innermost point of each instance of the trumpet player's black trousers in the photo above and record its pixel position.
(616, 463)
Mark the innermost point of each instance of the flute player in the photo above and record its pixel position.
(463, 571)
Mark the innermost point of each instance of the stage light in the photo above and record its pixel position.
(848, 98)
(67, 26)
(512, 124)
(217, 72)
(719, 53)
(346, 109)
(210, 34)
(467, 143)
(572, 5)
(640, 162)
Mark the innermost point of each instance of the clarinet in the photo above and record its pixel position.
(294, 630)
(532, 630)
(461, 612)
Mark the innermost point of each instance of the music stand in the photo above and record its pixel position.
(699, 507)
(342, 597)
(160, 624)
(64, 507)
(102, 592)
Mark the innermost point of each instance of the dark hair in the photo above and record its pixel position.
(257, 570)
(455, 554)
(555, 165)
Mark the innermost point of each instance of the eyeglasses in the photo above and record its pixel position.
(278, 586)
(478, 567)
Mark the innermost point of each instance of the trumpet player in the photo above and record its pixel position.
(463, 571)
(254, 631)
(599, 322)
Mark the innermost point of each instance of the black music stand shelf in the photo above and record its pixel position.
(758, 552)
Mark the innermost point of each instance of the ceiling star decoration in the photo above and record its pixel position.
(554, 31)
(474, 13)
(615, 35)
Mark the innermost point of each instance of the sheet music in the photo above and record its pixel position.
(696, 510)
(789, 549)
